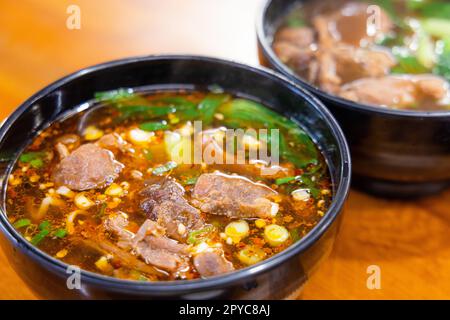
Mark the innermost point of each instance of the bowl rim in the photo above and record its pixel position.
(231, 278)
(279, 66)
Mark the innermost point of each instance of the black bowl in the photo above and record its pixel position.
(395, 153)
(277, 277)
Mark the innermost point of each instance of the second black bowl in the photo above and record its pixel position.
(394, 152)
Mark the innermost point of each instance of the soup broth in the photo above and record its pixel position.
(116, 189)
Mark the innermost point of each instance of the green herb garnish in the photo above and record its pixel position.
(164, 168)
(60, 233)
(21, 223)
(198, 236)
(34, 158)
(40, 236)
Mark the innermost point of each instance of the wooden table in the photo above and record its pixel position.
(409, 241)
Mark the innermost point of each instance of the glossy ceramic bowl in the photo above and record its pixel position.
(395, 153)
(278, 277)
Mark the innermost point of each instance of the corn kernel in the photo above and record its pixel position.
(103, 264)
(61, 253)
(92, 133)
(34, 178)
(260, 223)
(83, 202)
(114, 190)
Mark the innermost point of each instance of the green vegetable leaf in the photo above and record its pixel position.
(442, 66)
(209, 104)
(21, 223)
(153, 126)
(408, 64)
(241, 113)
(432, 9)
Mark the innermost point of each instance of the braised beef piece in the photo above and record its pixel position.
(149, 243)
(338, 49)
(343, 63)
(87, 167)
(294, 47)
(212, 263)
(163, 201)
(402, 91)
(233, 196)
(112, 142)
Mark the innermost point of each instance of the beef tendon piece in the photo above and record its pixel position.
(233, 196)
(87, 167)
(164, 203)
(149, 243)
(400, 91)
(212, 263)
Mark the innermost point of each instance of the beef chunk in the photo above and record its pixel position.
(233, 196)
(149, 243)
(164, 202)
(213, 263)
(400, 91)
(293, 46)
(301, 37)
(112, 142)
(344, 63)
(160, 258)
(87, 167)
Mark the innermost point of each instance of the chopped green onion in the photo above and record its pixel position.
(21, 223)
(295, 234)
(60, 233)
(40, 236)
(101, 212)
(30, 156)
(284, 180)
(198, 236)
(45, 225)
(37, 163)
(164, 168)
(153, 126)
(190, 181)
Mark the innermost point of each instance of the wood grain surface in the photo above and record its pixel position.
(408, 241)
